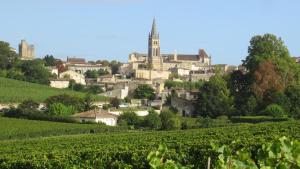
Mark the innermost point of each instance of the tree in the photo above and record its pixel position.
(34, 71)
(129, 118)
(144, 91)
(66, 100)
(293, 95)
(266, 78)
(114, 65)
(102, 72)
(214, 98)
(169, 121)
(269, 47)
(29, 106)
(88, 102)
(115, 102)
(152, 120)
(94, 89)
(59, 109)
(7, 56)
(91, 74)
(49, 60)
(274, 110)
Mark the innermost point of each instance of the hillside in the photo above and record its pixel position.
(130, 150)
(12, 128)
(14, 91)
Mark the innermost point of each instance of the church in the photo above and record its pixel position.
(155, 65)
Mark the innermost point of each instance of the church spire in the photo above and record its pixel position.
(154, 29)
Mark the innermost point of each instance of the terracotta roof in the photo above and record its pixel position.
(76, 60)
(94, 114)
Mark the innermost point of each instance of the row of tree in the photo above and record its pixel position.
(269, 86)
(57, 108)
(166, 120)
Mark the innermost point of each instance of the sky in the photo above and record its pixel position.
(112, 29)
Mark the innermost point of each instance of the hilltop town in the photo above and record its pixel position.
(171, 80)
(149, 84)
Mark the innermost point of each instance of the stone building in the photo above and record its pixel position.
(141, 64)
(79, 65)
(26, 51)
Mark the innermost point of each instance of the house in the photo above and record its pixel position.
(97, 116)
(184, 106)
(106, 79)
(59, 83)
(77, 77)
(53, 70)
(119, 93)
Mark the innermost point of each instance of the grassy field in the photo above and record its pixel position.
(14, 91)
(129, 150)
(11, 128)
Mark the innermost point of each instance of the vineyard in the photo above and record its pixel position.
(21, 129)
(14, 91)
(130, 150)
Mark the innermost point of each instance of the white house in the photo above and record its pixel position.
(59, 83)
(77, 77)
(53, 70)
(97, 116)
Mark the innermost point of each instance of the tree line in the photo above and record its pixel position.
(269, 85)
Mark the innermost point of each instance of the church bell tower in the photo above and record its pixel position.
(154, 57)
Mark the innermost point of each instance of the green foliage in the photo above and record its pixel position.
(152, 121)
(59, 109)
(256, 119)
(293, 95)
(121, 150)
(49, 60)
(214, 98)
(185, 84)
(169, 121)
(7, 56)
(66, 100)
(157, 159)
(26, 109)
(88, 102)
(32, 71)
(129, 118)
(275, 111)
(144, 91)
(206, 122)
(14, 91)
(115, 65)
(115, 102)
(266, 47)
(278, 154)
(94, 89)
(95, 73)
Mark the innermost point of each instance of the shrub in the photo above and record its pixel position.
(59, 109)
(274, 110)
(129, 118)
(152, 120)
(169, 121)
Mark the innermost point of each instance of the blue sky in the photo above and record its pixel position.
(111, 29)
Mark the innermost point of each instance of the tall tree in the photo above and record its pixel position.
(144, 91)
(267, 78)
(269, 47)
(49, 60)
(7, 56)
(214, 98)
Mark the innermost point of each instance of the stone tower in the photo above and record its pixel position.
(154, 57)
(26, 51)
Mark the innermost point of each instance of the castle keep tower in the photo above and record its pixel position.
(26, 51)
(154, 57)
